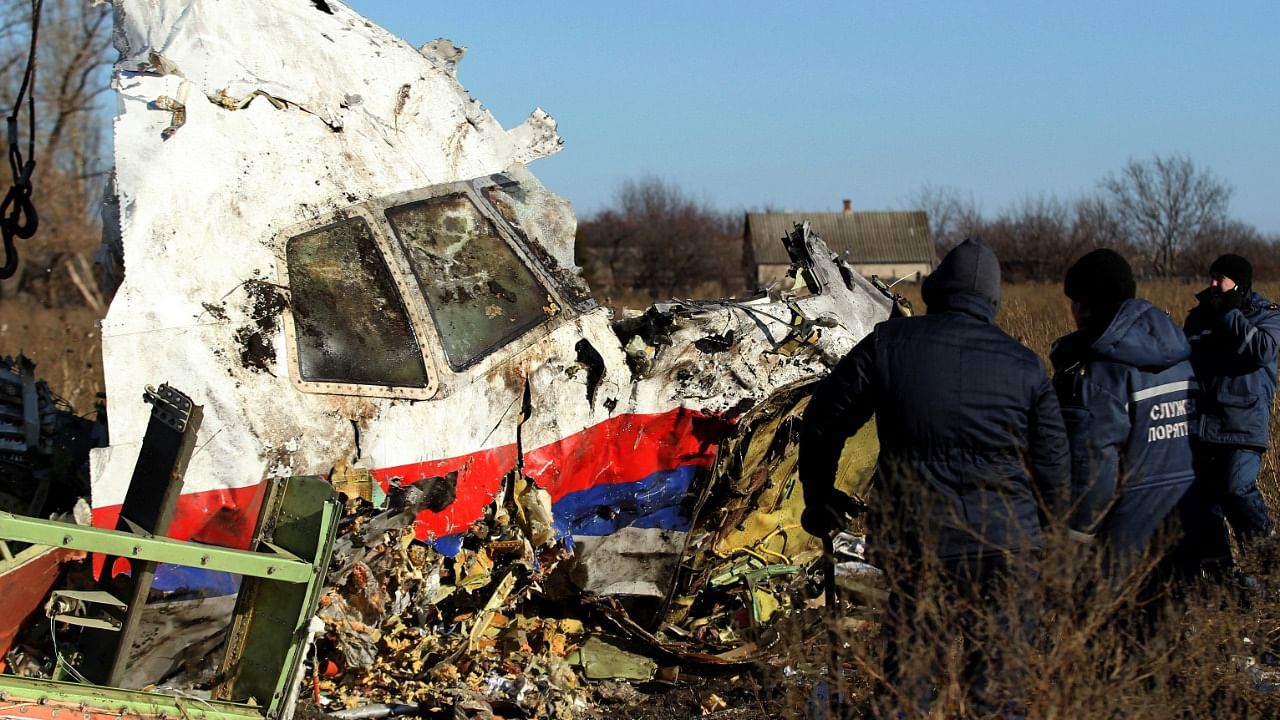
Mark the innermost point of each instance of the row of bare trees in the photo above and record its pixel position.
(658, 241)
(1167, 214)
(71, 142)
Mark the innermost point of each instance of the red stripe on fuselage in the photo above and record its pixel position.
(622, 449)
(479, 478)
(225, 517)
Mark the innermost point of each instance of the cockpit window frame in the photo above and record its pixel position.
(440, 372)
(416, 319)
(438, 310)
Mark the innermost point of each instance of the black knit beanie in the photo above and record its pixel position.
(1236, 268)
(1101, 280)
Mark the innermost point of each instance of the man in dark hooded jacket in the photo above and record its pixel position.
(973, 459)
(1235, 338)
(1128, 397)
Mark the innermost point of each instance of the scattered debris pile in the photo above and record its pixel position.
(407, 624)
(749, 565)
(44, 451)
(500, 626)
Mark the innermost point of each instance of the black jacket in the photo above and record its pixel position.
(973, 450)
(1234, 354)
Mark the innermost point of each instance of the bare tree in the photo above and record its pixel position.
(658, 240)
(76, 39)
(953, 215)
(1231, 236)
(1034, 239)
(1165, 204)
(1096, 224)
(71, 131)
(603, 248)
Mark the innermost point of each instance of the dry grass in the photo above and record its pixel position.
(65, 343)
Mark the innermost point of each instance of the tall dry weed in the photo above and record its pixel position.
(1101, 649)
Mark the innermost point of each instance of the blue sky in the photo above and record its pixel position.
(795, 106)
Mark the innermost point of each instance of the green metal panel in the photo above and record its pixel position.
(269, 564)
(278, 597)
(268, 634)
(17, 691)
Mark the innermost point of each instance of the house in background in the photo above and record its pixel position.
(891, 245)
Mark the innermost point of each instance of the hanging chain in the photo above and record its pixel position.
(18, 216)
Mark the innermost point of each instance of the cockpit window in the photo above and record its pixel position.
(480, 293)
(522, 207)
(350, 321)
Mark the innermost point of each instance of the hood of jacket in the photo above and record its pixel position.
(1140, 335)
(967, 280)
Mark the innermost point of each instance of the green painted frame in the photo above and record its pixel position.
(278, 597)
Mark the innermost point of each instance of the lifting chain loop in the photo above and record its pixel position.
(18, 217)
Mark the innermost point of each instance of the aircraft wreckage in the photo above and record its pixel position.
(343, 265)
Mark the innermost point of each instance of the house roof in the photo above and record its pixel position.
(859, 237)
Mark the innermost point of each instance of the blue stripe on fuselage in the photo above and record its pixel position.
(660, 501)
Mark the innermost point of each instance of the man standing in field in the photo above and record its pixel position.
(973, 459)
(1235, 338)
(1128, 398)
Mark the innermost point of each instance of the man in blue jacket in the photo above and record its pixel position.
(1128, 397)
(973, 460)
(1235, 337)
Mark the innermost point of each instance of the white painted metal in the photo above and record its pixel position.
(293, 116)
